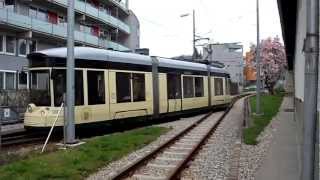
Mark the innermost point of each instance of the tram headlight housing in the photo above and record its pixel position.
(30, 108)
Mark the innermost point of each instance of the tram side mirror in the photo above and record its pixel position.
(53, 74)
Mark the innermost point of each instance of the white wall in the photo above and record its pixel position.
(299, 63)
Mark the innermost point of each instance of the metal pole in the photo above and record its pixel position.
(310, 89)
(194, 35)
(70, 129)
(258, 103)
(1, 114)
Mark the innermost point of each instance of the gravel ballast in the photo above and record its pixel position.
(176, 127)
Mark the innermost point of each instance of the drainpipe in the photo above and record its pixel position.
(311, 88)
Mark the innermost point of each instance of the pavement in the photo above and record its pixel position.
(282, 160)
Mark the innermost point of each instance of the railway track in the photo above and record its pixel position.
(20, 138)
(169, 159)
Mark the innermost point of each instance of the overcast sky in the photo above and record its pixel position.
(167, 34)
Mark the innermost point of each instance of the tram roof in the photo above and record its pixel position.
(89, 53)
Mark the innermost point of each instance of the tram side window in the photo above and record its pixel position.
(96, 87)
(174, 86)
(59, 85)
(188, 87)
(199, 89)
(138, 86)
(218, 86)
(79, 95)
(228, 86)
(123, 87)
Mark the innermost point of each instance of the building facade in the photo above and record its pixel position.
(32, 25)
(300, 26)
(231, 55)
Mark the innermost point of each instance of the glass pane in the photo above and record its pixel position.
(174, 86)
(33, 12)
(32, 46)
(138, 85)
(42, 15)
(40, 89)
(79, 95)
(188, 86)
(10, 44)
(59, 85)
(123, 87)
(96, 88)
(1, 43)
(199, 86)
(10, 81)
(218, 86)
(1, 80)
(22, 47)
(9, 4)
(23, 80)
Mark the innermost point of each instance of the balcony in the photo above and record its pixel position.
(25, 22)
(93, 12)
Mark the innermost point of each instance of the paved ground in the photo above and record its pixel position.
(281, 161)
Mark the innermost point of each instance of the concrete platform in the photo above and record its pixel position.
(282, 160)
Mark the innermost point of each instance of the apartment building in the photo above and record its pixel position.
(31, 25)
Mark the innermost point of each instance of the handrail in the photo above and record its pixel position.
(51, 129)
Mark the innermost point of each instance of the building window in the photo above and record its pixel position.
(188, 87)
(33, 12)
(138, 86)
(42, 15)
(218, 86)
(10, 44)
(96, 87)
(22, 44)
(123, 87)
(62, 21)
(32, 46)
(10, 80)
(1, 80)
(199, 89)
(9, 4)
(1, 43)
(23, 80)
(174, 86)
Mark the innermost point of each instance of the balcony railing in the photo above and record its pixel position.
(94, 12)
(120, 4)
(36, 25)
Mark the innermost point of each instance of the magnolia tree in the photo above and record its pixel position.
(273, 61)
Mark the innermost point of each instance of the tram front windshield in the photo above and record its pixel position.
(40, 87)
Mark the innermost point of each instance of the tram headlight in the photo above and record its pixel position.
(30, 108)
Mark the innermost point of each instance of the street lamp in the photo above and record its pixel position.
(193, 33)
(258, 103)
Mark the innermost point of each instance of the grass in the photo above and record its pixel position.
(270, 105)
(80, 162)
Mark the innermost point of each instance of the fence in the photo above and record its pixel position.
(14, 104)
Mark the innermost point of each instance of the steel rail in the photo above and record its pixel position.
(130, 169)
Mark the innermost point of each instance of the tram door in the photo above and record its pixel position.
(97, 108)
(174, 92)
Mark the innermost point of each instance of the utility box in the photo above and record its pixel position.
(8, 115)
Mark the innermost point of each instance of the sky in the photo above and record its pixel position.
(166, 34)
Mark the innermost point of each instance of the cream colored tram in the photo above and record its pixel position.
(112, 85)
